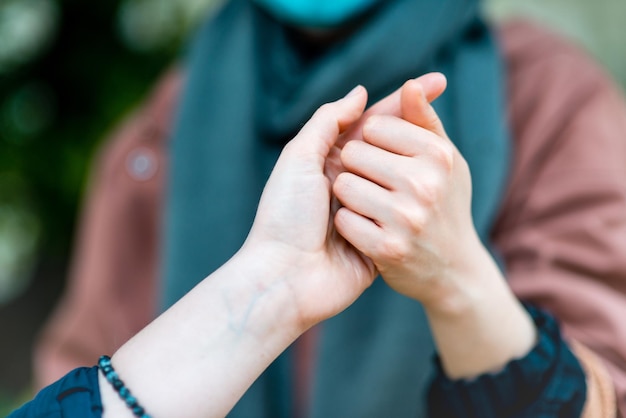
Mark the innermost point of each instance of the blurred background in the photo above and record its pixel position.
(69, 71)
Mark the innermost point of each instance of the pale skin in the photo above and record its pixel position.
(406, 199)
(296, 269)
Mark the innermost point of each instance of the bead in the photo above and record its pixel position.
(104, 363)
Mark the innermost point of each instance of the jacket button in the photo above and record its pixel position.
(141, 164)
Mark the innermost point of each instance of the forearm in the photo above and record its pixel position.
(406, 196)
(546, 382)
(482, 327)
(499, 358)
(199, 357)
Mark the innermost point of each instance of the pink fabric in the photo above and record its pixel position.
(562, 228)
(111, 293)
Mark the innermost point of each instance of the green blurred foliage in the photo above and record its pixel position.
(67, 77)
(9, 403)
(56, 108)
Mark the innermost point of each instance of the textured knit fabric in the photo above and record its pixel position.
(77, 395)
(546, 383)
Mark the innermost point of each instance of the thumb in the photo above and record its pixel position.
(433, 84)
(415, 106)
(320, 133)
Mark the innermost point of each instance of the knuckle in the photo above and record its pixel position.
(394, 250)
(351, 152)
(348, 151)
(432, 118)
(341, 218)
(326, 108)
(325, 111)
(373, 125)
(443, 154)
(414, 220)
(371, 122)
(342, 184)
(428, 191)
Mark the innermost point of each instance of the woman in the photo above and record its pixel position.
(254, 75)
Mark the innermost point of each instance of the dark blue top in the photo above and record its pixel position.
(546, 383)
(75, 395)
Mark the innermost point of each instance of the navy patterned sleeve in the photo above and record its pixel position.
(75, 395)
(547, 383)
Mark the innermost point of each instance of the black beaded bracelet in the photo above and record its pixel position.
(104, 363)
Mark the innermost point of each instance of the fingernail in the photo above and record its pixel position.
(354, 91)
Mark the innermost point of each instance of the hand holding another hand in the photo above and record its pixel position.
(406, 195)
(295, 222)
(407, 198)
(293, 229)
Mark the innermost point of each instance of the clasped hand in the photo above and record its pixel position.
(354, 194)
(405, 196)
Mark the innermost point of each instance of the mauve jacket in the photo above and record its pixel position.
(561, 231)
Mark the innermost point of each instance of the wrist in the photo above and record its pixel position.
(550, 362)
(466, 284)
(307, 287)
(481, 326)
(257, 287)
(232, 324)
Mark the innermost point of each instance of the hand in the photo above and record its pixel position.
(433, 84)
(293, 270)
(293, 229)
(406, 197)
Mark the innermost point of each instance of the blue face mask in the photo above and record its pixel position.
(315, 13)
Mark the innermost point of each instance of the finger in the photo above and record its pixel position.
(433, 84)
(403, 138)
(321, 131)
(363, 197)
(371, 162)
(358, 230)
(416, 108)
(333, 165)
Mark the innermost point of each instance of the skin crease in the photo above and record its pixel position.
(296, 269)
